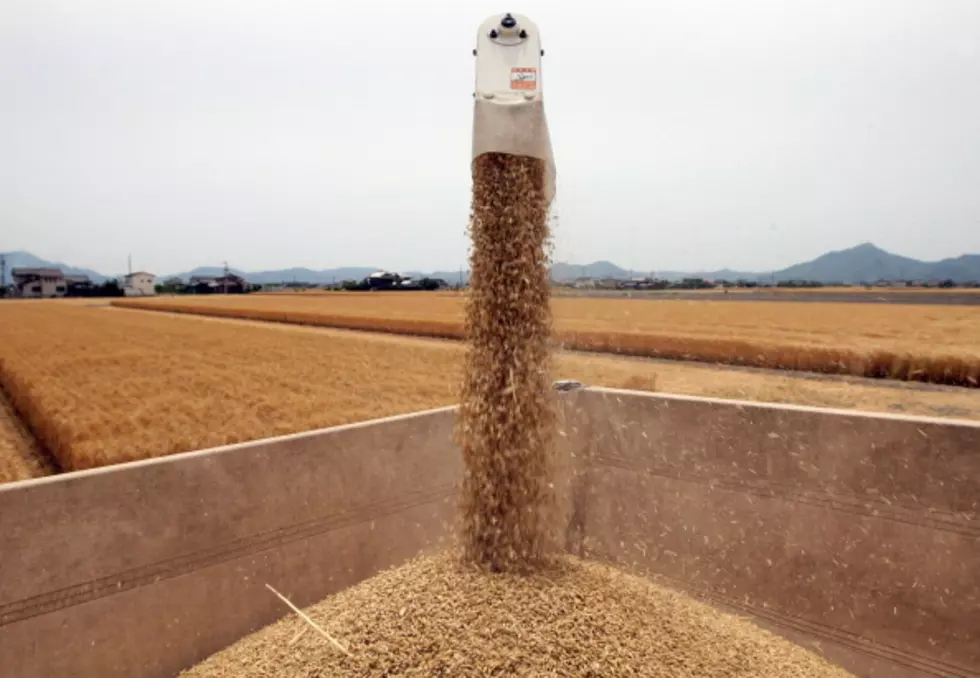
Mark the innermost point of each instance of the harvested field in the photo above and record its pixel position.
(103, 386)
(935, 344)
(433, 617)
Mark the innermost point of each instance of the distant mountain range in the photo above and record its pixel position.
(307, 275)
(864, 263)
(607, 269)
(867, 263)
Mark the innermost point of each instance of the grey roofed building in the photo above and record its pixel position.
(38, 283)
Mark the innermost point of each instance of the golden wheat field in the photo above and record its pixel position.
(937, 344)
(101, 385)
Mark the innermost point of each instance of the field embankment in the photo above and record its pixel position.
(908, 343)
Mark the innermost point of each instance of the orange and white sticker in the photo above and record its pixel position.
(523, 78)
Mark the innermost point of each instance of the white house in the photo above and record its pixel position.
(139, 284)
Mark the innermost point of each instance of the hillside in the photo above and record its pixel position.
(597, 269)
(862, 263)
(285, 275)
(866, 262)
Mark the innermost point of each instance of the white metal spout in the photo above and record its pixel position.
(509, 105)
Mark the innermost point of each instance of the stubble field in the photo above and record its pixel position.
(935, 344)
(99, 385)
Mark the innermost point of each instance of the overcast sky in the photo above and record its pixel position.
(688, 134)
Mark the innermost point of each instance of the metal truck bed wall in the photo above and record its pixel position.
(856, 535)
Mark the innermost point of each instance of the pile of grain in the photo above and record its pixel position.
(506, 418)
(434, 617)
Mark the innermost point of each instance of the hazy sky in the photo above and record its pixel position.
(687, 133)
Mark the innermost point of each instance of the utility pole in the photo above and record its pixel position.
(225, 278)
(3, 270)
(129, 264)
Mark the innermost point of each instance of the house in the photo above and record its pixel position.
(428, 284)
(231, 284)
(139, 284)
(202, 284)
(78, 285)
(693, 284)
(173, 284)
(39, 283)
(383, 280)
(223, 284)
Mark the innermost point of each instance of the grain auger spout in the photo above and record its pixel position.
(508, 114)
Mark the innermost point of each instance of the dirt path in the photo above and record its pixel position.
(20, 456)
(700, 379)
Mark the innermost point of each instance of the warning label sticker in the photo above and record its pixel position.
(523, 78)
